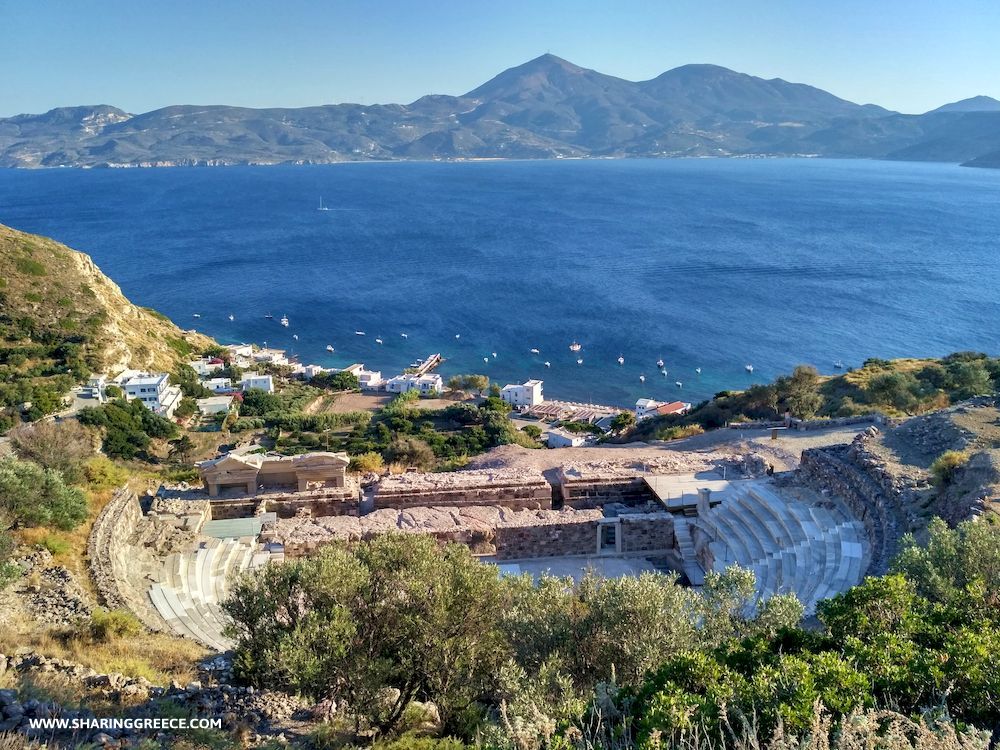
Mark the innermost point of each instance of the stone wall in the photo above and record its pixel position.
(834, 469)
(808, 424)
(649, 532)
(504, 488)
(571, 535)
(595, 492)
(109, 549)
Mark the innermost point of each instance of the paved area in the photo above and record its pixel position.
(575, 567)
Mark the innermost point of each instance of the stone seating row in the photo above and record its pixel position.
(192, 586)
(810, 550)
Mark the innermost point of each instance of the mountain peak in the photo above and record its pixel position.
(972, 104)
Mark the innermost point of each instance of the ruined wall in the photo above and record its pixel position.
(570, 537)
(597, 492)
(647, 532)
(504, 488)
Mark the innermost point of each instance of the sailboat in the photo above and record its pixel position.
(575, 346)
(329, 347)
(232, 317)
(321, 206)
(284, 321)
(621, 359)
(659, 363)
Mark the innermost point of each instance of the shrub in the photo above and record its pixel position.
(367, 462)
(101, 473)
(947, 465)
(62, 446)
(410, 452)
(54, 544)
(111, 625)
(33, 496)
(679, 431)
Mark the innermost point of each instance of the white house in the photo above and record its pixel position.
(218, 385)
(96, 388)
(308, 372)
(646, 407)
(528, 393)
(214, 405)
(354, 369)
(254, 380)
(430, 383)
(370, 380)
(241, 354)
(559, 438)
(270, 356)
(155, 391)
(206, 366)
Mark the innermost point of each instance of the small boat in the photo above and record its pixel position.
(494, 355)
(232, 317)
(321, 206)
(359, 333)
(535, 351)
(329, 347)
(580, 361)
(642, 378)
(659, 363)
(284, 321)
(575, 346)
(269, 317)
(698, 370)
(378, 341)
(839, 365)
(679, 384)
(458, 335)
(486, 359)
(405, 335)
(548, 364)
(295, 336)
(196, 315)
(748, 368)
(621, 359)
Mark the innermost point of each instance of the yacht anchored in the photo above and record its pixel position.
(575, 346)
(659, 363)
(321, 206)
(284, 321)
(329, 347)
(748, 368)
(621, 359)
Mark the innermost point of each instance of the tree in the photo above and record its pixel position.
(257, 403)
(33, 496)
(367, 462)
(624, 420)
(802, 390)
(896, 389)
(468, 383)
(62, 446)
(532, 430)
(181, 448)
(128, 426)
(189, 382)
(967, 378)
(375, 627)
(336, 381)
(410, 452)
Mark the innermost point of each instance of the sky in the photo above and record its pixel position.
(907, 55)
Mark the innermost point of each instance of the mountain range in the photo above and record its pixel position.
(545, 108)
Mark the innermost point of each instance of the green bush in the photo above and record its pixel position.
(101, 473)
(947, 465)
(54, 544)
(106, 626)
(33, 496)
(367, 462)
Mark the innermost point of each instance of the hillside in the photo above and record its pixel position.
(61, 319)
(545, 108)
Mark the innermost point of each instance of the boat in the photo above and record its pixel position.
(678, 383)
(269, 317)
(548, 364)
(494, 355)
(663, 373)
(232, 317)
(329, 347)
(295, 336)
(284, 321)
(359, 333)
(458, 335)
(486, 359)
(621, 360)
(405, 335)
(535, 351)
(698, 370)
(196, 315)
(575, 346)
(642, 378)
(579, 361)
(378, 341)
(748, 368)
(839, 365)
(321, 206)
(659, 363)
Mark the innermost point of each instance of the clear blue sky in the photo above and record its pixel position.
(909, 55)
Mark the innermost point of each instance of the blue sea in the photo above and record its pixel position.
(703, 263)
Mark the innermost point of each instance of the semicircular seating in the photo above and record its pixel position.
(811, 549)
(192, 585)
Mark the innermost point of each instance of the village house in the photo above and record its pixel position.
(154, 390)
(240, 354)
(205, 366)
(214, 405)
(560, 438)
(218, 385)
(430, 383)
(528, 393)
(270, 357)
(256, 381)
(96, 388)
(370, 380)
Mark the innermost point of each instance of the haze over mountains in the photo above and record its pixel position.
(545, 108)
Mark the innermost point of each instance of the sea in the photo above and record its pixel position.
(710, 264)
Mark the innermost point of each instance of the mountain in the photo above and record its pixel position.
(546, 108)
(60, 314)
(973, 104)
